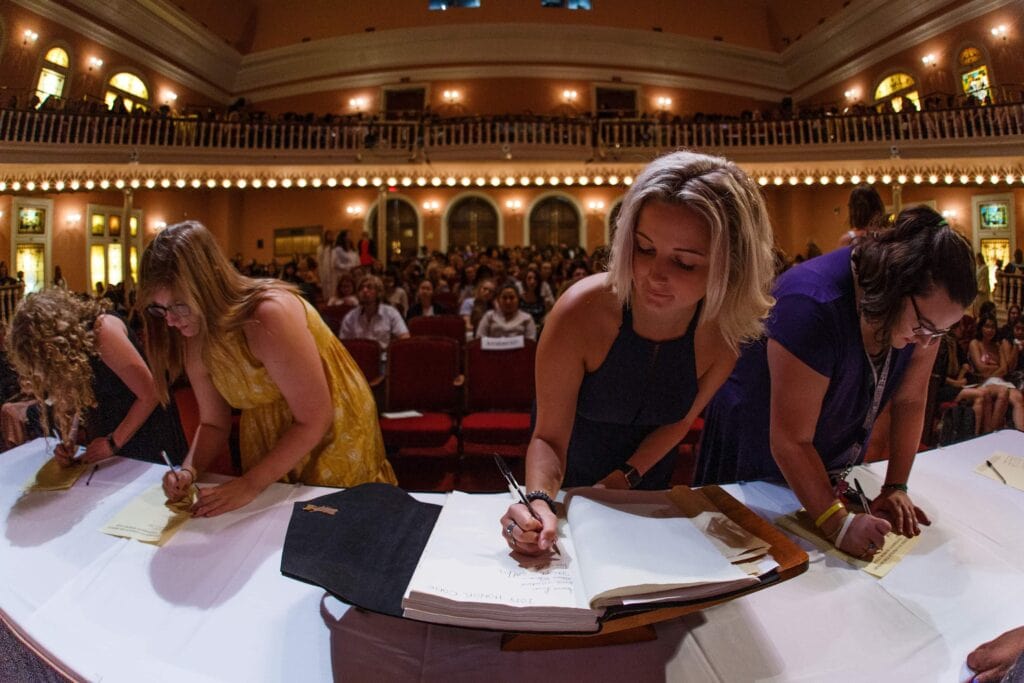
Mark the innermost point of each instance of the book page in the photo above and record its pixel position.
(629, 550)
(895, 548)
(467, 560)
(1004, 468)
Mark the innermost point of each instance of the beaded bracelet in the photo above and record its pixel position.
(541, 495)
(836, 507)
(895, 487)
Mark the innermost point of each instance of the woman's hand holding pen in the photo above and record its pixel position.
(178, 483)
(96, 450)
(865, 535)
(895, 506)
(216, 500)
(527, 535)
(64, 453)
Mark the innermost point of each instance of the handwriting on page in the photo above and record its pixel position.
(1000, 466)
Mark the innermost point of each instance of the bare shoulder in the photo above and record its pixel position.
(109, 327)
(711, 348)
(586, 318)
(278, 308)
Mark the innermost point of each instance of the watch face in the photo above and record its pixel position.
(631, 475)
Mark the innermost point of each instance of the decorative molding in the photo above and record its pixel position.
(208, 68)
(832, 55)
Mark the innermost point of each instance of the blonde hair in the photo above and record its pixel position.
(185, 259)
(51, 342)
(741, 262)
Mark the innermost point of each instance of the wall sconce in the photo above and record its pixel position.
(71, 219)
(431, 206)
(928, 60)
(170, 97)
(663, 103)
(596, 206)
(95, 63)
(353, 210)
(451, 96)
(999, 32)
(357, 103)
(159, 224)
(569, 96)
(852, 94)
(29, 37)
(514, 205)
(948, 213)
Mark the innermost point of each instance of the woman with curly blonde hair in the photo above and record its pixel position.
(630, 357)
(85, 361)
(307, 412)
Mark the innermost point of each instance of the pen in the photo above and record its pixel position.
(998, 473)
(513, 488)
(90, 474)
(163, 454)
(865, 502)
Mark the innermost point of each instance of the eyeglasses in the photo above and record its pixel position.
(178, 310)
(924, 329)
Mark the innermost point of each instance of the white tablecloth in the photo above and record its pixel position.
(212, 604)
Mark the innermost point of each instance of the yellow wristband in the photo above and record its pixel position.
(836, 507)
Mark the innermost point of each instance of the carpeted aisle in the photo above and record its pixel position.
(19, 665)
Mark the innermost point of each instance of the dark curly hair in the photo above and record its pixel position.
(919, 253)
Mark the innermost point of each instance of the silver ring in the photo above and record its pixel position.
(508, 531)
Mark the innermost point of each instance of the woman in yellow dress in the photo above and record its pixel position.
(307, 413)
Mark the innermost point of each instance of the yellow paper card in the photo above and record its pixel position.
(53, 477)
(893, 550)
(150, 518)
(1010, 467)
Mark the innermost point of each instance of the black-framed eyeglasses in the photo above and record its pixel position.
(178, 310)
(924, 329)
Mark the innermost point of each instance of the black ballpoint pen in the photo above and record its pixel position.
(998, 473)
(865, 502)
(513, 487)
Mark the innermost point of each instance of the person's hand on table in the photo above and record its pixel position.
(96, 450)
(991, 660)
(525, 534)
(64, 454)
(865, 536)
(896, 507)
(178, 483)
(216, 500)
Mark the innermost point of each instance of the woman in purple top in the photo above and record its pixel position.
(850, 332)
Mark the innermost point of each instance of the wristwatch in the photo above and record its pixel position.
(632, 476)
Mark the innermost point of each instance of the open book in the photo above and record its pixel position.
(617, 548)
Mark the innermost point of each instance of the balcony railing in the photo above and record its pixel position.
(10, 297)
(57, 128)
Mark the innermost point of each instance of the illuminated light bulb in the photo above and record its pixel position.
(613, 180)
(979, 179)
(480, 182)
(16, 186)
(226, 183)
(59, 185)
(948, 178)
(933, 178)
(886, 179)
(870, 180)
(1010, 178)
(539, 180)
(150, 183)
(89, 184)
(777, 180)
(74, 184)
(808, 180)
(525, 180)
(568, 180)
(271, 183)
(316, 182)
(104, 184)
(119, 183)
(257, 183)
(406, 181)
(855, 179)
(435, 181)
(241, 183)
(824, 180)
(211, 183)
(510, 181)
(994, 178)
(332, 182)
(495, 181)
(918, 179)
(45, 186)
(346, 182)
(840, 179)
(583, 180)
(196, 182)
(392, 181)
(901, 179)
(466, 181)
(30, 185)
(762, 181)
(179, 183)
(793, 180)
(421, 181)
(599, 180)
(964, 178)
(628, 180)
(376, 181)
(554, 180)
(361, 181)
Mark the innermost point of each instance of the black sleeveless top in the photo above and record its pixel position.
(640, 386)
(161, 430)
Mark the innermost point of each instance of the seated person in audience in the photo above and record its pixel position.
(73, 352)
(1012, 316)
(952, 364)
(532, 300)
(474, 307)
(1000, 659)
(578, 272)
(991, 358)
(507, 320)
(630, 357)
(307, 413)
(373, 319)
(394, 293)
(424, 304)
(851, 332)
(344, 291)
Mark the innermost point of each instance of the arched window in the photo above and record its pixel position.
(53, 74)
(127, 88)
(555, 221)
(402, 236)
(472, 220)
(897, 91)
(974, 77)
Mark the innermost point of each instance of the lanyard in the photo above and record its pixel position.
(869, 418)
